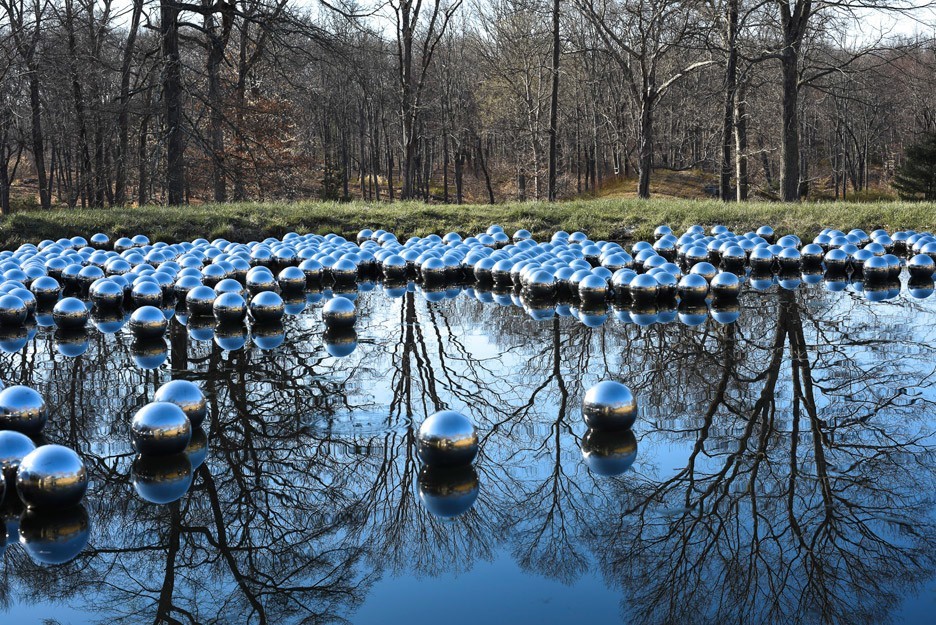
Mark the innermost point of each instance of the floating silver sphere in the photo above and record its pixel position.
(921, 266)
(161, 479)
(394, 267)
(766, 233)
(14, 446)
(541, 284)
(229, 308)
(292, 279)
(609, 452)
(13, 311)
(200, 301)
(609, 405)
(100, 241)
(521, 235)
(762, 259)
(447, 438)
(693, 287)
(106, 293)
(705, 269)
(51, 476)
(148, 322)
(344, 271)
(725, 285)
(644, 288)
(186, 395)
(46, 289)
(875, 269)
(312, 269)
(267, 306)
(146, 293)
(160, 428)
(593, 288)
(23, 410)
(70, 313)
(339, 312)
(229, 285)
(836, 261)
(448, 492)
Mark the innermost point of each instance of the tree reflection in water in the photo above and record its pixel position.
(784, 466)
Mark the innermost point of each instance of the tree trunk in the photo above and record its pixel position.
(123, 118)
(645, 152)
(789, 138)
(731, 79)
(172, 98)
(554, 103)
(487, 177)
(38, 145)
(741, 146)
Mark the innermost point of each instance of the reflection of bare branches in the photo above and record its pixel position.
(800, 489)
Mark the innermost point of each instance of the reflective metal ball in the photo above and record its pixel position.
(14, 446)
(200, 300)
(725, 285)
(229, 308)
(13, 310)
(609, 405)
(22, 409)
(921, 266)
(148, 322)
(70, 313)
(267, 306)
(693, 287)
(52, 476)
(447, 438)
(339, 312)
(186, 395)
(160, 428)
(644, 288)
(593, 288)
(146, 293)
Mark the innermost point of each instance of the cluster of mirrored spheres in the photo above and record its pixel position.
(49, 480)
(232, 293)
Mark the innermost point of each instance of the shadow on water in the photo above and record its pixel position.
(782, 468)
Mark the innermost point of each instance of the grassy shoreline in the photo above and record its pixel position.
(601, 219)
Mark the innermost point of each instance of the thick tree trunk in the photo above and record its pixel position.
(789, 138)
(731, 79)
(38, 145)
(172, 103)
(554, 103)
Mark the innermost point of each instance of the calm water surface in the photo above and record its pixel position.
(782, 470)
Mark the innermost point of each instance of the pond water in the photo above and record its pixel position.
(781, 469)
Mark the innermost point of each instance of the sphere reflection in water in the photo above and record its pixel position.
(609, 405)
(197, 449)
(609, 453)
(448, 492)
(14, 446)
(160, 428)
(230, 337)
(339, 342)
(267, 336)
(149, 353)
(161, 479)
(447, 438)
(54, 537)
(23, 410)
(186, 395)
(51, 476)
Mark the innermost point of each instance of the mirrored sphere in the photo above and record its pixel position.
(160, 428)
(609, 405)
(339, 312)
(267, 307)
(14, 446)
(447, 438)
(186, 395)
(22, 409)
(148, 322)
(70, 313)
(51, 476)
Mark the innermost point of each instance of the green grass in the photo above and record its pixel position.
(616, 219)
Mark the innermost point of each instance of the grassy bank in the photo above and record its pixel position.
(601, 219)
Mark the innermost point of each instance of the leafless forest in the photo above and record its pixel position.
(125, 102)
